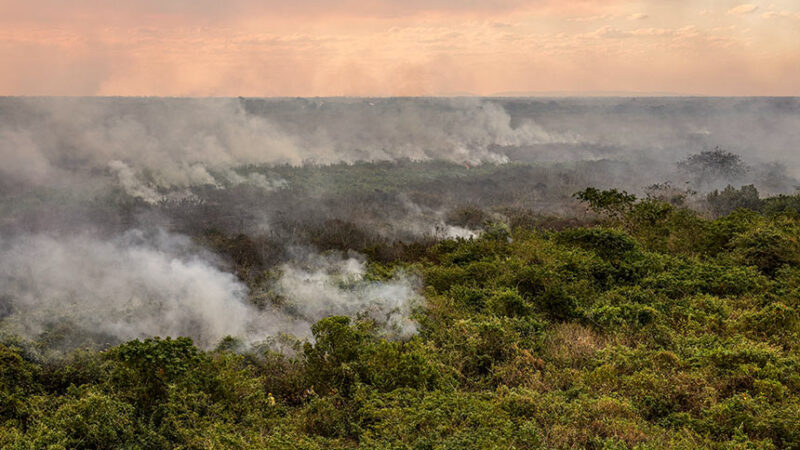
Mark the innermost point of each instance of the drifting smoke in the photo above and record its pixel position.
(130, 287)
(152, 193)
(258, 180)
(141, 285)
(132, 185)
(199, 166)
(152, 145)
(421, 221)
(177, 143)
(317, 286)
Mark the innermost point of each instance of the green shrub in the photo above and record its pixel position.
(613, 203)
(330, 417)
(331, 361)
(781, 204)
(609, 244)
(767, 249)
(92, 421)
(145, 370)
(508, 302)
(17, 383)
(730, 199)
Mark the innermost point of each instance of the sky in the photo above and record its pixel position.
(399, 47)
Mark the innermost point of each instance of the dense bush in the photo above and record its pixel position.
(656, 329)
(730, 199)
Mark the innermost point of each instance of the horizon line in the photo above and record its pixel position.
(543, 95)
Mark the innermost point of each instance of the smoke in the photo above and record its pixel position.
(459, 130)
(158, 284)
(19, 164)
(156, 144)
(154, 193)
(129, 287)
(178, 143)
(258, 180)
(132, 185)
(317, 286)
(247, 169)
(422, 221)
(148, 144)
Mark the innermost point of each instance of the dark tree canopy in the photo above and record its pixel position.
(712, 165)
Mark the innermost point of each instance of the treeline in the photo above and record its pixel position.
(657, 328)
(725, 201)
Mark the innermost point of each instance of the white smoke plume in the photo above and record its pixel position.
(421, 221)
(141, 285)
(193, 175)
(156, 144)
(319, 286)
(177, 143)
(129, 287)
(258, 180)
(129, 181)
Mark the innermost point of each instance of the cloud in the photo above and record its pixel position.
(745, 8)
(325, 48)
(594, 18)
(772, 14)
(212, 12)
(688, 32)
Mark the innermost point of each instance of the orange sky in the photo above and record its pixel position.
(398, 47)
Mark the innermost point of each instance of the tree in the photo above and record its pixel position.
(146, 369)
(730, 199)
(331, 362)
(713, 165)
(612, 202)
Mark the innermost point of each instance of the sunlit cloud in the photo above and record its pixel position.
(745, 8)
(309, 48)
(772, 14)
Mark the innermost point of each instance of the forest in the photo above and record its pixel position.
(399, 302)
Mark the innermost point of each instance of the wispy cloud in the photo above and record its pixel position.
(783, 14)
(745, 8)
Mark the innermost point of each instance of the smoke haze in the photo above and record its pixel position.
(137, 217)
(140, 285)
(171, 143)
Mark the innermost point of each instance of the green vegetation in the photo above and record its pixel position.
(656, 329)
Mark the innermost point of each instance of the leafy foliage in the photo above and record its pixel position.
(657, 329)
(610, 202)
(712, 165)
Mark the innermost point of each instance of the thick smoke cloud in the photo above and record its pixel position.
(152, 144)
(317, 286)
(159, 284)
(129, 287)
(148, 145)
